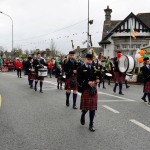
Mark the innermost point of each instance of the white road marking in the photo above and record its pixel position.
(0, 101)
(140, 125)
(116, 96)
(111, 109)
(113, 100)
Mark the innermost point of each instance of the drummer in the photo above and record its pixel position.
(38, 63)
(118, 76)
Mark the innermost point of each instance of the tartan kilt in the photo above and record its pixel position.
(88, 102)
(38, 78)
(31, 76)
(60, 80)
(147, 87)
(119, 78)
(68, 86)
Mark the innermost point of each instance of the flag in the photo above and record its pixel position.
(133, 33)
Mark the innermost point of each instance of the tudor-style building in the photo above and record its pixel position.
(117, 36)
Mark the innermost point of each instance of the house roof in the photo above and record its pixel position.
(109, 29)
(145, 17)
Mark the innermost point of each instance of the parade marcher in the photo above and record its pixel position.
(38, 63)
(146, 73)
(18, 67)
(1, 63)
(58, 75)
(50, 67)
(88, 78)
(118, 76)
(30, 71)
(70, 69)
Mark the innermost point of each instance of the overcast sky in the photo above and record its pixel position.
(36, 22)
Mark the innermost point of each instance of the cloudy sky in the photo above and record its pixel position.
(36, 22)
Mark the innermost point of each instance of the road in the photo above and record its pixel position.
(31, 120)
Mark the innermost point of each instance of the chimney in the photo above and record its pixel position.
(108, 12)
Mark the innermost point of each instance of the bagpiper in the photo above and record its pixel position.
(88, 78)
(38, 63)
(146, 73)
(70, 69)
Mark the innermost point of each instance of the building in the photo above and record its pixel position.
(81, 52)
(117, 35)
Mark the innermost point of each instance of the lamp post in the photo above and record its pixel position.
(12, 29)
(88, 27)
(90, 22)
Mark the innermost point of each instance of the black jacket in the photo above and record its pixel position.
(69, 67)
(84, 75)
(146, 73)
(39, 64)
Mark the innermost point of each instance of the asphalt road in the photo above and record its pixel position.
(31, 120)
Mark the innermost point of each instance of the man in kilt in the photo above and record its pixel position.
(119, 77)
(70, 69)
(30, 71)
(59, 76)
(146, 73)
(38, 63)
(88, 78)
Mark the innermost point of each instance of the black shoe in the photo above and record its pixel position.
(67, 103)
(35, 88)
(41, 91)
(114, 90)
(127, 86)
(91, 128)
(57, 87)
(144, 99)
(104, 87)
(75, 107)
(20, 77)
(121, 93)
(82, 120)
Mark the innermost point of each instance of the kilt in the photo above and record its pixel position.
(88, 102)
(118, 77)
(38, 78)
(68, 86)
(31, 76)
(59, 79)
(147, 87)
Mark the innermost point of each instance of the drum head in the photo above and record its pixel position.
(123, 64)
(109, 74)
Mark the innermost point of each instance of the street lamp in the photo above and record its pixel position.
(90, 22)
(12, 29)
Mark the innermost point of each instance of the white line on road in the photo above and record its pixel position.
(140, 125)
(113, 101)
(111, 109)
(0, 101)
(116, 96)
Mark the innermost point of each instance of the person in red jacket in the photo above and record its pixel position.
(49, 67)
(18, 67)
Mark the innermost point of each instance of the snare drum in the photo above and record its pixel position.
(126, 64)
(42, 72)
(109, 74)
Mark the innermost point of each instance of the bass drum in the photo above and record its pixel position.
(126, 64)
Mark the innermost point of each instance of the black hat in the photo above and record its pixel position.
(38, 53)
(90, 56)
(71, 52)
(29, 57)
(119, 52)
(145, 59)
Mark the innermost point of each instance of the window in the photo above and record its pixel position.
(132, 46)
(117, 46)
(138, 45)
(144, 45)
(124, 46)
